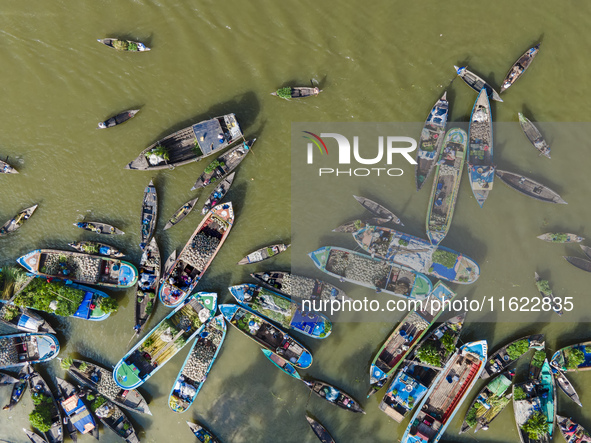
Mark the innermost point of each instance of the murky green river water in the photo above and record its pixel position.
(377, 61)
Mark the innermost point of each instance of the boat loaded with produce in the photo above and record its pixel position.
(123, 45)
(113, 418)
(147, 287)
(300, 287)
(223, 165)
(46, 415)
(547, 295)
(73, 406)
(91, 247)
(510, 353)
(296, 92)
(20, 349)
(23, 319)
(573, 358)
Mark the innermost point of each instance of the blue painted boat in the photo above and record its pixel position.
(280, 309)
(267, 335)
(203, 435)
(165, 340)
(285, 366)
(75, 410)
(202, 354)
(26, 348)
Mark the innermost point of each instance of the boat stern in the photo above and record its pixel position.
(225, 211)
(30, 261)
(209, 300)
(305, 360)
(320, 257)
(128, 275)
(228, 311)
(48, 347)
(170, 295)
(240, 292)
(126, 376)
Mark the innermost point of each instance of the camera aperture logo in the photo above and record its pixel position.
(393, 146)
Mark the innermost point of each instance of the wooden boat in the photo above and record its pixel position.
(559, 237)
(536, 363)
(446, 185)
(19, 388)
(529, 187)
(414, 377)
(218, 193)
(99, 228)
(546, 293)
(296, 92)
(27, 347)
(197, 365)
(519, 67)
(267, 335)
(6, 379)
(533, 135)
(566, 386)
(510, 353)
(320, 431)
(573, 358)
(34, 438)
(380, 276)
(147, 286)
(124, 45)
(447, 393)
(23, 319)
(481, 169)
(406, 336)
(431, 140)
(165, 340)
(298, 286)
(280, 309)
(282, 364)
(17, 221)
(5, 168)
(586, 250)
(67, 423)
(580, 263)
(75, 409)
(170, 261)
(378, 210)
(489, 403)
(477, 83)
(536, 401)
(182, 277)
(223, 165)
(80, 268)
(572, 431)
(92, 247)
(417, 254)
(356, 225)
(113, 418)
(101, 380)
(264, 253)
(149, 214)
(181, 213)
(39, 389)
(334, 396)
(122, 117)
(189, 144)
(202, 434)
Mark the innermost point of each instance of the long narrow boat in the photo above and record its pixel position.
(355, 225)
(489, 403)
(481, 169)
(267, 335)
(5, 168)
(182, 277)
(298, 286)
(218, 193)
(431, 140)
(378, 210)
(68, 425)
(446, 395)
(586, 250)
(169, 261)
(113, 418)
(529, 187)
(560, 237)
(296, 92)
(34, 438)
(285, 366)
(80, 268)
(17, 221)
(149, 214)
(414, 377)
(519, 67)
(334, 396)
(147, 287)
(264, 253)
(42, 396)
(6, 379)
(202, 434)
(547, 296)
(164, 341)
(534, 136)
(197, 365)
(101, 380)
(92, 247)
(122, 117)
(189, 144)
(446, 185)
(123, 45)
(566, 386)
(281, 310)
(99, 228)
(23, 319)
(572, 431)
(320, 431)
(510, 353)
(477, 83)
(573, 358)
(580, 263)
(19, 388)
(181, 213)
(223, 165)
(364, 270)
(75, 409)
(418, 254)
(19, 349)
(407, 335)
